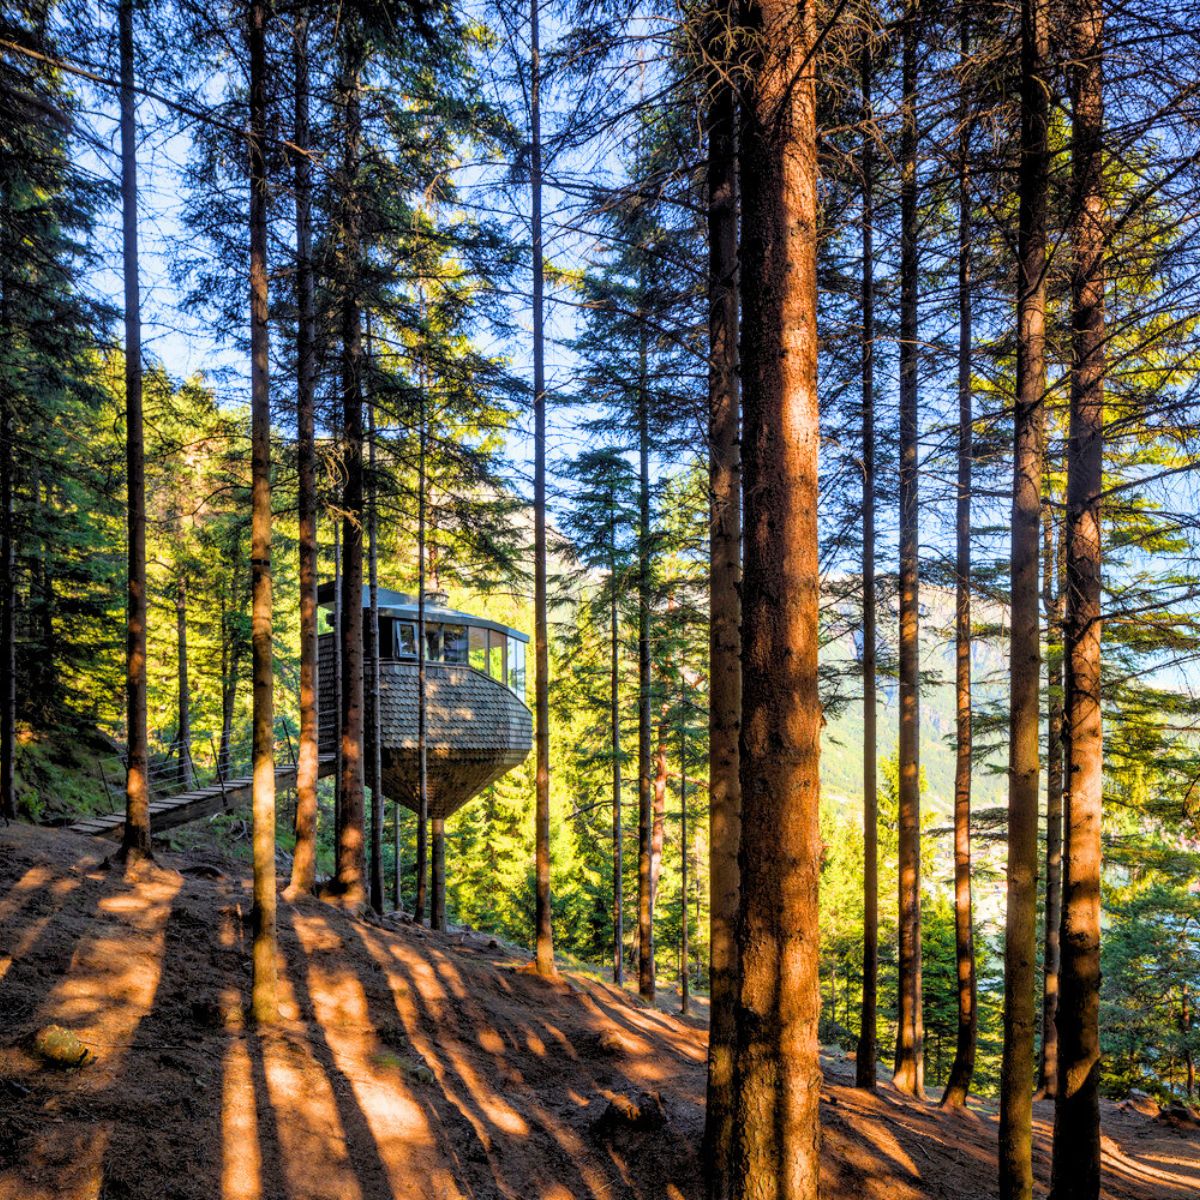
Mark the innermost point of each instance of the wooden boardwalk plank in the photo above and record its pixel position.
(169, 812)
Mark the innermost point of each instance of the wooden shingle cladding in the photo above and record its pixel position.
(476, 729)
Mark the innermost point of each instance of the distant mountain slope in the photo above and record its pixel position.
(841, 744)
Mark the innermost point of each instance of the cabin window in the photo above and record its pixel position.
(454, 643)
(433, 643)
(387, 636)
(496, 657)
(516, 665)
(406, 639)
(478, 648)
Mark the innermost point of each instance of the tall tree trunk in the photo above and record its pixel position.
(909, 1075)
(437, 917)
(304, 861)
(422, 864)
(263, 998)
(724, 608)
(618, 833)
(1025, 660)
(351, 841)
(683, 875)
(374, 749)
(183, 734)
(868, 1043)
(1185, 1027)
(228, 699)
(777, 1073)
(657, 828)
(1052, 598)
(646, 983)
(1076, 1174)
(135, 841)
(337, 674)
(397, 873)
(543, 915)
(963, 1067)
(8, 641)
(44, 679)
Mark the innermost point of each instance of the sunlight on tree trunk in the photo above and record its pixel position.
(1053, 563)
(1076, 1173)
(867, 1054)
(304, 861)
(909, 1073)
(543, 920)
(263, 1002)
(351, 848)
(777, 1071)
(963, 1067)
(1025, 663)
(135, 842)
(724, 556)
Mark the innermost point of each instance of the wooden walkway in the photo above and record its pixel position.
(196, 805)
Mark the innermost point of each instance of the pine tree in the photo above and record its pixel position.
(909, 1074)
(264, 1001)
(777, 1072)
(868, 1044)
(304, 861)
(1076, 1169)
(963, 1067)
(544, 916)
(1016, 1113)
(725, 695)
(135, 841)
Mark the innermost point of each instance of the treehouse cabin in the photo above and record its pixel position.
(477, 727)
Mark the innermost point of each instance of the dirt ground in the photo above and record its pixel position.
(407, 1064)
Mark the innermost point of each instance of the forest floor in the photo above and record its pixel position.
(406, 1064)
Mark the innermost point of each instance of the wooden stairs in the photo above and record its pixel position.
(196, 805)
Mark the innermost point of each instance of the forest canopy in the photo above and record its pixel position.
(812, 387)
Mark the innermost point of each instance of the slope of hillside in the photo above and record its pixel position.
(406, 1065)
(841, 743)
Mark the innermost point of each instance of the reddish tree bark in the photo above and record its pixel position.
(543, 916)
(657, 828)
(1052, 598)
(183, 723)
(614, 701)
(437, 915)
(1076, 1171)
(909, 1073)
(1025, 662)
(374, 747)
(304, 861)
(725, 572)
(135, 840)
(868, 1039)
(963, 1067)
(263, 995)
(777, 1072)
(8, 641)
(646, 981)
(351, 841)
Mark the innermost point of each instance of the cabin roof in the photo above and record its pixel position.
(401, 604)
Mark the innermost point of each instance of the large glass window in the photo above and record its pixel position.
(477, 648)
(516, 666)
(454, 643)
(497, 666)
(406, 639)
(433, 643)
